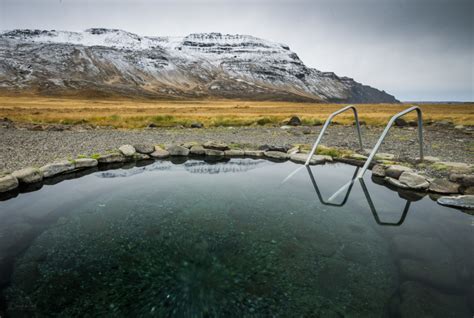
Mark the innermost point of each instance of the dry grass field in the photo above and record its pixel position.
(140, 113)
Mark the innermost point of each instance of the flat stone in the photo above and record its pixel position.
(460, 201)
(276, 155)
(197, 150)
(357, 156)
(384, 156)
(127, 150)
(414, 181)
(444, 186)
(160, 153)
(111, 158)
(466, 180)
(216, 145)
(8, 182)
(85, 163)
(293, 150)
(176, 150)
(28, 175)
(254, 153)
(234, 153)
(214, 153)
(394, 171)
(396, 183)
(56, 168)
(190, 144)
(144, 148)
(437, 274)
(315, 159)
(429, 159)
(456, 166)
(418, 300)
(281, 148)
(378, 171)
(140, 156)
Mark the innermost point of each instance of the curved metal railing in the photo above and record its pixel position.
(326, 124)
(385, 132)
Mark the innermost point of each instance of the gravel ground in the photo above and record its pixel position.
(21, 147)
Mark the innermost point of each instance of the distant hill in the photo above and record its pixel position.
(107, 63)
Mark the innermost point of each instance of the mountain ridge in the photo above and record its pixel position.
(113, 62)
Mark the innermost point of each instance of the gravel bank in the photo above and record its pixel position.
(21, 148)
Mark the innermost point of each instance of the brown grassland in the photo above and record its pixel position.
(122, 113)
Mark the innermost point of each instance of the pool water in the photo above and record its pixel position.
(231, 239)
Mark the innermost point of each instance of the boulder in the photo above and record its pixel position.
(175, 150)
(140, 156)
(456, 166)
(234, 153)
(160, 153)
(276, 155)
(197, 125)
(444, 186)
(394, 171)
(413, 181)
(8, 182)
(378, 171)
(283, 148)
(216, 145)
(144, 148)
(357, 156)
(460, 201)
(254, 153)
(56, 168)
(28, 175)
(214, 153)
(197, 150)
(85, 163)
(293, 150)
(114, 157)
(127, 150)
(294, 121)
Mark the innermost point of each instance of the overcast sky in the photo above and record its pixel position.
(413, 49)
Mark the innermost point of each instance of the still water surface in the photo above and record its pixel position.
(230, 239)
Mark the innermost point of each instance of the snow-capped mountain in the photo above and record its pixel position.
(109, 62)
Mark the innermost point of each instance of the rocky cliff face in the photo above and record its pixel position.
(105, 62)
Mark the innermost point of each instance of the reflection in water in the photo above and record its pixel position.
(349, 186)
(242, 165)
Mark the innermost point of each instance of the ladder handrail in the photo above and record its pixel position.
(385, 132)
(326, 124)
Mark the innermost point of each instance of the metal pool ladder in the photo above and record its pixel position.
(381, 138)
(326, 124)
(385, 132)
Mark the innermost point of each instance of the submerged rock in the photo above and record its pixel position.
(460, 201)
(28, 175)
(418, 300)
(56, 168)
